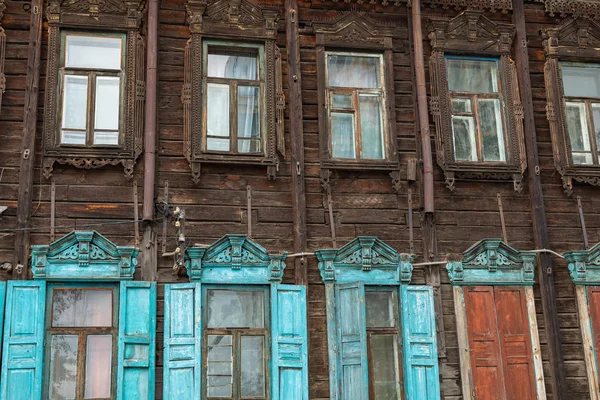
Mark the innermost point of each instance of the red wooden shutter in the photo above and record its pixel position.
(488, 382)
(515, 342)
(593, 294)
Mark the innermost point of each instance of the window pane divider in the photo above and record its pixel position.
(591, 131)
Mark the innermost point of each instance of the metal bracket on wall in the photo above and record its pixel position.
(501, 210)
(586, 241)
(164, 226)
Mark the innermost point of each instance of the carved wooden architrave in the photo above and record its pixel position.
(503, 6)
(2, 52)
(574, 40)
(355, 32)
(105, 16)
(574, 8)
(237, 20)
(473, 34)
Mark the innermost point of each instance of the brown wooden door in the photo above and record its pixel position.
(500, 343)
(593, 293)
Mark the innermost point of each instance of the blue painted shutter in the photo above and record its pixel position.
(183, 341)
(2, 304)
(352, 339)
(23, 347)
(289, 369)
(419, 343)
(137, 344)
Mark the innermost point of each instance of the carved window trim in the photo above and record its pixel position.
(575, 40)
(123, 16)
(354, 33)
(473, 34)
(241, 21)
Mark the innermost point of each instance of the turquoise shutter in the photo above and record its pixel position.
(2, 304)
(419, 343)
(137, 344)
(183, 341)
(352, 339)
(289, 369)
(23, 347)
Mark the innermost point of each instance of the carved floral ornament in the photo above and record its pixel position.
(574, 8)
(490, 5)
(584, 265)
(473, 34)
(83, 256)
(575, 40)
(489, 262)
(366, 259)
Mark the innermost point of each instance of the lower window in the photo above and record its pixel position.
(81, 333)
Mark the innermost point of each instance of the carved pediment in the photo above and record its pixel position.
(491, 261)
(575, 8)
(584, 265)
(573, 37)
(366, 259)
(234, 257)
(352, 29)
(120, 13)
(471, 31)
(83, 256)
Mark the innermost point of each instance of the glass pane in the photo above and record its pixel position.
(98, 369)
(577, 127)
(490, 122)
(370, 127)
(74, 113)
(253, 366)
(97, 52)
(217, 144)
(236, 309)
(385, 367)
(353, 71)
(234, 66)
(581, 81)
(107, 110)
(475, 76)
(342, 135)
(72, 137)
(380, 309)
(248, 118)
(342, 101)
(596, 114)
(220, 366)
(217, 105)
(248, 146)
(461, 105)
(463, 133)
(63, 367)
(80, 307)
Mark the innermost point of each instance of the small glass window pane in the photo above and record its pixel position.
(107, 110)
(463, 132)
(380, 307)
(232, 66)
(248, 118)
(577, 127)
(342, 135)
(353, 71)
(253, 366)
(98, 52)
(217, 103)
(236, 309)
(63, 367)
(81, 308)
(72, 137)
(474, 76)
(461, 105)
(370, 127)
(490, 122)
(220, 366)
(342, 101)
(581, 81)
(74, 115)
(384, 350)
(248, 146)
(98, 369)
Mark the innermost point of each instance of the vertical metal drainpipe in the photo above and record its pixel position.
(423, 109)
(150, 112)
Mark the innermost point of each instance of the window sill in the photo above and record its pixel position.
(360, 165)
(484, 171)
(272, 164)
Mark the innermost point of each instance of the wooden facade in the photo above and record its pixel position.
(297, 200)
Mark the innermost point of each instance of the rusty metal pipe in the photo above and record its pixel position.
(150, 114)
(423, 109)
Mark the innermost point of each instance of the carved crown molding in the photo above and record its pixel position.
(354, 29)
(491, 262)
(103, 13)
(234, 259)
(575, 8)
(365, 259)
(83, 256)
(584, 266)
(574, 37)
(490, 5)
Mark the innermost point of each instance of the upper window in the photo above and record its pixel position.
(234, 101)
(477, 109)
(355, 95)
(91, 87)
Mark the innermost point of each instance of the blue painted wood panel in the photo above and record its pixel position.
(23, 344)
(137, 341)
(421, 371)
(352, 339)
(183, 341)
(289, 365)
